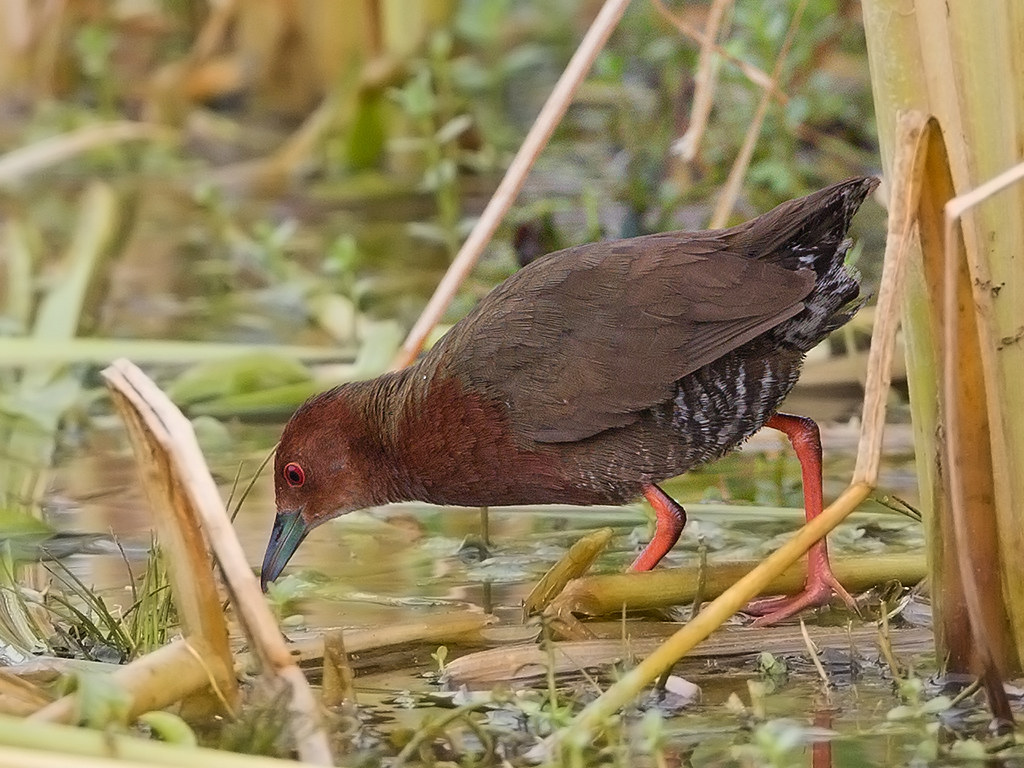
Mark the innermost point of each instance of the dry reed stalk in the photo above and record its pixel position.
(813, 652)
(968, 421)
(339, 682)
(188, 562)
(175, 672)
(727, 198)
(963, 67)
(44, 154)
(968, 564)
(440, 628)
(20, 697)
(524, 662)
(536, 139)
(186, 492)
(904, 188)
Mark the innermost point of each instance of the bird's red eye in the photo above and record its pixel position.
(294, 474)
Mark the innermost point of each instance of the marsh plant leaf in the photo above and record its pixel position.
(243, 374)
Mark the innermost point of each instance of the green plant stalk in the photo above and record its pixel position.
(44, 737)
(28, 351)
(115, 631)
(150, 616)
(57, 319)
(433, 728)
(606, 594)
(18, 302)
(20, 632)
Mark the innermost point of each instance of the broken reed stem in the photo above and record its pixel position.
(339, 682)
(170, 432)
(573, 564)
(704, 83)
(154, 681)
(727, 200)
(536, 139)
(953, 288)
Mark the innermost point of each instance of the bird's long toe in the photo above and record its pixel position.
(818, 591)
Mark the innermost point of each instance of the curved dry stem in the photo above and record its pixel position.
(536, 139)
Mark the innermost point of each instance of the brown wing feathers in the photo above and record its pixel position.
(591, 318)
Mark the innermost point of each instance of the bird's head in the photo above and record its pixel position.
(325, 465)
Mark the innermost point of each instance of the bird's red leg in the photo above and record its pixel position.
(669, 521)
(821, 583)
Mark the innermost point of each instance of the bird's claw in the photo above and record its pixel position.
(818, 591)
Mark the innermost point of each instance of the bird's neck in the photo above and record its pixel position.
(437, 441)
(384, 407)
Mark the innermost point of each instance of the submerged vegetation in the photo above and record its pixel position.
(253, 200)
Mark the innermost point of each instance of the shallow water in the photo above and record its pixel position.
(409, 561)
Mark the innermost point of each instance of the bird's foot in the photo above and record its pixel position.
(818, 591)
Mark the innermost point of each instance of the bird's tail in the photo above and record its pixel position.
(815, 238)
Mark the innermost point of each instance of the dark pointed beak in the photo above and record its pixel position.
(289, 531)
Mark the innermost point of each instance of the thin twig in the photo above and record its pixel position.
(234, 487)
(33, 158)
(754, 74)
(704, 82)
(702, 577)
(252, 483)
(536, 139)
(900, 506)
(812, 650)
(727, 199)
(885, 645)
(968, 691)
